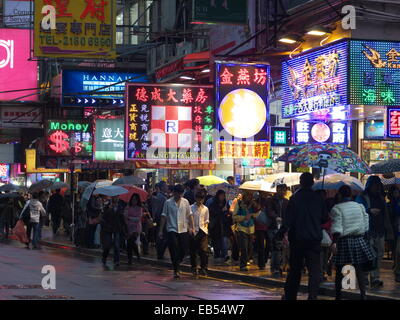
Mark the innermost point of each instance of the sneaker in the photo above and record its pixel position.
(176, 275)
(203, 272)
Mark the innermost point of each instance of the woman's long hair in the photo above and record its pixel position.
(138, 202)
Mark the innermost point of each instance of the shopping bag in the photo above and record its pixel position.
(20, 232)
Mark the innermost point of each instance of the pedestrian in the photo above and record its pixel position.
(36, 211)
(261, 227)
(133, 218)
(244, 213)
(350, 222)
(199, 240)
(178, 218)
(94, 209)
(305, 214)
(66, 214)
(394, 206)
(373, 199)
(7, 216)
(219, 226)
(193, 186)
(231, 180)
(277, 206)
(158, 199)
(55, 206)
(80, 223)
(112, 225)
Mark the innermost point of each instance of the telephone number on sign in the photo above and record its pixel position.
(82, 41)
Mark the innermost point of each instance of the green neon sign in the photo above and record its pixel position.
(68, 126)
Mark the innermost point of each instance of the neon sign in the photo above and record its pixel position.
(67, 138)
(162, 117)
(242, 99)
(393, 122)
(315, 81)
(4, 171)
(320, 132)
(281, 136)
(243, 150)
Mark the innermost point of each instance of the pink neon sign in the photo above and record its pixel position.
(16, 71)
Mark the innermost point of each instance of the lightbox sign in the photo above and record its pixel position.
(83, 29)
(315, 132)
(242, 100)
(169, 119)
(393, 122)
(16, 71)
(281, 136)
(69, 137)
(109, 139)
(78, 87)
(4, 172)
(374, 129)
(315, 81)
(18, 13)
(375, 73)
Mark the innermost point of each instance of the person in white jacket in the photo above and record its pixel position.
(36, 211)
(350, 222)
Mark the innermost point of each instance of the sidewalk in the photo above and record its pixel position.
(390, 290)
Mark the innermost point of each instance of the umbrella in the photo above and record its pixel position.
(387, 166)
(83, 184)
(257, 185)
(87, 193)
(59, 185)
(231, 191)
(129, 180)
(335, 181)
(209, 180)
(132, 190)
(9, 195)
(9, 187)
(288, 178)
(110, 191)
(40, 185)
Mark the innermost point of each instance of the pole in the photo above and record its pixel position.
(72, 167)
(323, 178)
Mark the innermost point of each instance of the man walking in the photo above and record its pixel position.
(178, 218)
(54, 207)
(157, 201)
(305, 214)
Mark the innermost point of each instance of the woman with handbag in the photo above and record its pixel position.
(350, 223)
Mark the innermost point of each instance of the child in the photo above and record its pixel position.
(199, 241)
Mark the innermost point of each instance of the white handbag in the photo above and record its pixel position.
(326, 239)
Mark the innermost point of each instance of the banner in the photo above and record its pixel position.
(18, 13)
(84, 29)
(21, 117)
(109, 139)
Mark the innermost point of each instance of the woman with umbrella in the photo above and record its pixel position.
(133, 217)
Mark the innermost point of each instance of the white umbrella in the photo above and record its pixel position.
(89, 191)
(230, 190)
(257, 185)
(9, 187)
(335, 181)
(288, 178)
(129, 180)
(59, 185)
(111, 191)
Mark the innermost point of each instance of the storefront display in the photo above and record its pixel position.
(377, 150)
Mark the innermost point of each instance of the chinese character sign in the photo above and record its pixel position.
(243, 150)
(242, 99)
(84, 29)
(4, 172)
(281, 136)
(167, 118)
(320, 132)
(374, 73)
(109, 139)
(315, 81)
(393, 122)
(69, 137)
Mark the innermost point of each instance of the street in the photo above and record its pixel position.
(80, 276)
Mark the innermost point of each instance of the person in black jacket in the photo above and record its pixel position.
(112, 225)
(305, 214)
(54, 207)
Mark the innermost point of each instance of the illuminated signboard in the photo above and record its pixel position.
(4, 171)
(66, 137)
(17, 13)
(83, 29)
(374, 129)
(242, 100)
(281, 136)
(238, 150)
(315, 132)
(315, 81)
(374, 73)
(169, 121)
(78, 87)
(393, 122)
(109, 139)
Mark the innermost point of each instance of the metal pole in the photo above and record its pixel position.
(73, 203)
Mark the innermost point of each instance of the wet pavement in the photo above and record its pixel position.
(82, 276)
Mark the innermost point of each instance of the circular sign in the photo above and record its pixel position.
(242, 113)
(320, 132)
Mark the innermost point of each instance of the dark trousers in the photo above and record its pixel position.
(300, 251)
(199, 246)
(145, 243)
(56, 221)
(220, 245)
(245, 243)
(108, 240)
(161, 244)
(361, 277)
(262, 249)
(132, 246)
(177, 248)
(90, 233)
(234, 246)
(35, 237)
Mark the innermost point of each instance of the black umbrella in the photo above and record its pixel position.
(387, 166)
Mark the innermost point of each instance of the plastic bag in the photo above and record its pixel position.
(20, 232)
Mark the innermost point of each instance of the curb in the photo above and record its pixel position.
(227, 275)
